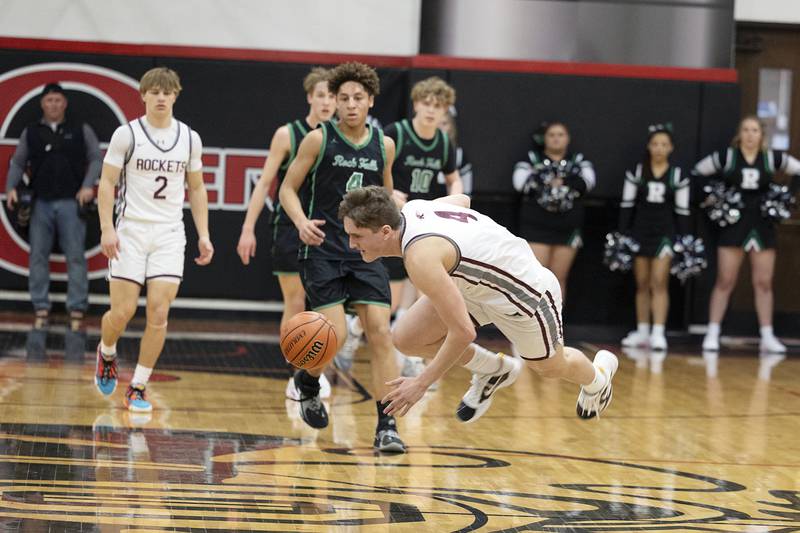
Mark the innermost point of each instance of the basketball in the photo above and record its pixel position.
(308, 340)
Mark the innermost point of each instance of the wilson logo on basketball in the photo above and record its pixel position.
(294, 340)
(313, 353)
(229, 173)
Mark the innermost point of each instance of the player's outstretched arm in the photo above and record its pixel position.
(427, 262)
(307, 155)
(461, 200)
(109, 242)
(278, 149)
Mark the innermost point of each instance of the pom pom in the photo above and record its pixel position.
(723, 204)
(556, 199)
(690, 257)
(619, 252)
(777, 203)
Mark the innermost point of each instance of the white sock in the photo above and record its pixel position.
(658, 330)
(484, 361)
(713, 329)
(109, 352)
(141, 375)
(597, 384)
(643, 328)
(400, 312)
(767, 333)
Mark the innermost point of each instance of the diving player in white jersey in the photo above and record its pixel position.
(471, 272)
(151, 158)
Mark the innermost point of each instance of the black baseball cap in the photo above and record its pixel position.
(52, 87)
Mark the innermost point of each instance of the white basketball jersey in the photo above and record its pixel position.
(495, 267)
(153, 179)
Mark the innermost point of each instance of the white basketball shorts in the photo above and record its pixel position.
(535, 331)
(149, 250)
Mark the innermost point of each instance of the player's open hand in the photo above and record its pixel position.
(247, 246)
(310, 233)
(407, 392)
(109, 243)
(206, 251)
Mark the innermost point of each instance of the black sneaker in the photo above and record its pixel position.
(312, 410)
(387, 440)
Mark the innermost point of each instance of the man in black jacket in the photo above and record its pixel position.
(63, 162)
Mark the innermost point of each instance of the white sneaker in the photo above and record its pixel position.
(343, 360)
(636, 339)
(771, 344)
(412, 366)
(591, 405)
(482, 388)
(324, 389)
(658, 342)
(711, 343)
(354, 326)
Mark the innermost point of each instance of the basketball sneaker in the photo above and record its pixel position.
(136, 400)
(771, 344)
(711, 343)
(591, 405)
(636, 339)
(387, 440)
(412, 366)
(658, 342)
(312, 410)
(105, 375)
(343, 360)
(324, 389)
(483, 387)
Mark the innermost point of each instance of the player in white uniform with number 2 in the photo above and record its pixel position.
(151, 159)
(471, 272)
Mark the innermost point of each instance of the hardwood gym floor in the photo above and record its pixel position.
(690, 443)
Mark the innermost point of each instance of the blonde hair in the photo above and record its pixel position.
(316, 75)
(435, 87)
(160, 78)
(736, 142)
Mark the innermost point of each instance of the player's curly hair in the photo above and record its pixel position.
(370, 207)
(357, 72)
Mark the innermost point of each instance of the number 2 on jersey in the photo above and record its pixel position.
(354, 181)
(157, 195)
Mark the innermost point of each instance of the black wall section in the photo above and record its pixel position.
(239, 104)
